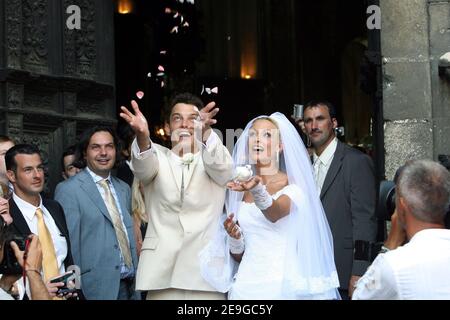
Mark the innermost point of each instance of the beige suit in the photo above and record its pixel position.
(178, 230)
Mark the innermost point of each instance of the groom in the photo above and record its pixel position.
(184, 191)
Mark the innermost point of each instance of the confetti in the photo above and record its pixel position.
(174, 30)
(163, 52)
(160, 74)
(168, 11)
(214, 90)
(161, 68)
(149, 75)
(162, 84)
(186, 24)
(140, 95)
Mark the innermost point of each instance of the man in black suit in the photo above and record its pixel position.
(32, 214)
(346, 183)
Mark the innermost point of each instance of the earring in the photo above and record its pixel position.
(278, 156)
(308, 141)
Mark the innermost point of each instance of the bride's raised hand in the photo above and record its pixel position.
(241, 186)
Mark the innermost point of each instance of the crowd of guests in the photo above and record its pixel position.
(177, 223)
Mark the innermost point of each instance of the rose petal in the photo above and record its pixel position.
(161, 68)
(140, 94)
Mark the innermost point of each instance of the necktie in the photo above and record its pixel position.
(117, 223)
(49, 262)
(318, 172)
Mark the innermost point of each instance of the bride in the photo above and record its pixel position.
(275, 242)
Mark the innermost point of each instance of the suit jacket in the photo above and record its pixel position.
(349, 197)
(94, 243)
(177, 231)
(20, 226)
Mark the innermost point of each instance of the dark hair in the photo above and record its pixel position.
(185, 97)
(10, 155)
(316, 103)
(86, 136)
(68, 152)
(6, 139)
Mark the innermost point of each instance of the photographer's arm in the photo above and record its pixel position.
(32, 267)
(397, 235)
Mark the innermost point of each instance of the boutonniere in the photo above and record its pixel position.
(187, 159)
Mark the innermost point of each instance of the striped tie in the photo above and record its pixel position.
(117, 222)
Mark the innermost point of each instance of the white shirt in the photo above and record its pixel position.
(419, 270)
(322, 163)
(125, 271)
(4, 295)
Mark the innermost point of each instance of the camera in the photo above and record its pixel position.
(9, 265)
(340, 131)
(386, 200)
(65, 278)
(297, 113)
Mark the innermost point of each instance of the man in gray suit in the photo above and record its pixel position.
(97, 208)
(346, 183)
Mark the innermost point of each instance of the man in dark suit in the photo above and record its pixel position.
(346, 183)
(97, 207)
(32, 214)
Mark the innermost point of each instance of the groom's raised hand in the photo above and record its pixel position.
(139, 125)
(205, 121)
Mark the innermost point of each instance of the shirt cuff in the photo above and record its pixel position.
(137, 152)
(211, 142)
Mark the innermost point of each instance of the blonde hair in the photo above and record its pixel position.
(137, 202)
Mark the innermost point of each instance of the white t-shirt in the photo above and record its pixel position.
(418, 270)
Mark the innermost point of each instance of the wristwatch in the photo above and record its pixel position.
(384, 249)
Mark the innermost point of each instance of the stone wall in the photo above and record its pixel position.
(416, 100)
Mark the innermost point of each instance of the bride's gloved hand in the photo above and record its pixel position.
(236, 240)
(241, 186)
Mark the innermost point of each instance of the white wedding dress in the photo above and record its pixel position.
(260, 273)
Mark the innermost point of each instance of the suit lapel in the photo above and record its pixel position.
(18, 219)
(336, 165)
(120, 192)
(89, 187)
(56, 217)
(172, 165)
